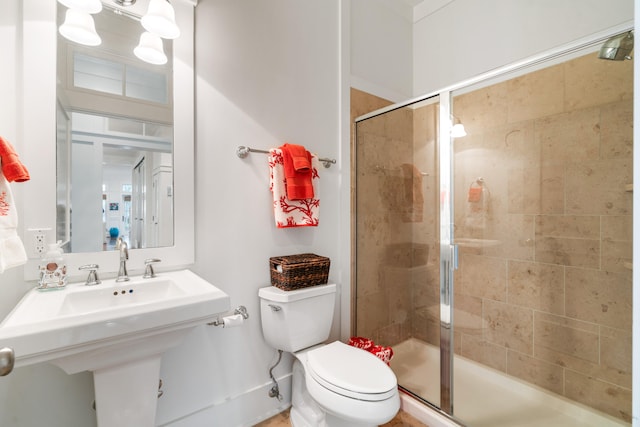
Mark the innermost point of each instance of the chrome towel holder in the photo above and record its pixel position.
(243, 152)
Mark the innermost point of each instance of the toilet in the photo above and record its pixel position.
(334, 384)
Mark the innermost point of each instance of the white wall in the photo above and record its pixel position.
(468, 37)
(9, 117)
(267, 72)
(381, 48)
(61, 400)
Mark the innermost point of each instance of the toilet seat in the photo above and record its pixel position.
(351, 372)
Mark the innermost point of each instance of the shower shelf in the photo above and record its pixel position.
(628, 187)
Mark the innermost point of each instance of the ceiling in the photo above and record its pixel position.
(417, 9)
(412, 3)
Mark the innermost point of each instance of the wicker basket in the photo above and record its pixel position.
(298, 271)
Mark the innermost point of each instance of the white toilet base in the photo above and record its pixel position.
(306, 412)
(338, 422)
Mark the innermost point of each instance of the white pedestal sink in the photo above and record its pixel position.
(119, 331)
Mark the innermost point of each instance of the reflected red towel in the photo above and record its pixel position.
(12, 168)
(475, 194)
(297, 171)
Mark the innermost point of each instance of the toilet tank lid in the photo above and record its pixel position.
(272, 293)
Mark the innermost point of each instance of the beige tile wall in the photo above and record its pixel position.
(554, 148)
(547, 297)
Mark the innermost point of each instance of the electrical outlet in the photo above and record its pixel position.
(38, 240)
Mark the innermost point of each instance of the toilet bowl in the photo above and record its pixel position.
(334, 384)
(351, 385)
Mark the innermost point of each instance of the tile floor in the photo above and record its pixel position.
(401, 420)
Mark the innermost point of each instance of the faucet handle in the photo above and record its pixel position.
(148, 268)
(92, 278)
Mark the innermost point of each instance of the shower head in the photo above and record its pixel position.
(617, 48)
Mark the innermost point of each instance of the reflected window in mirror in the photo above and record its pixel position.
(114, 140)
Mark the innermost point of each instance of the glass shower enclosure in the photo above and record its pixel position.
(496, 261)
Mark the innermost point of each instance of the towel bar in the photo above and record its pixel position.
(243, 152)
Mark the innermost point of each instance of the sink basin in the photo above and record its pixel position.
(77, 299)
(134, 294)
(119, 331)
(46, 325)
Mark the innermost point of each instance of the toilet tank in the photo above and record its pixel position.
(293, 320)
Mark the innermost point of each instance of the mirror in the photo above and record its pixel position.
(46, 118)
(114, 158)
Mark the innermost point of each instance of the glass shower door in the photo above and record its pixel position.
(543, 215)
(397, 241)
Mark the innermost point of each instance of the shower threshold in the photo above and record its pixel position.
(484, 397)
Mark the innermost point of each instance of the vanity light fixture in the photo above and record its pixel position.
(79, 27)
(160, 19)
(150, 49)
(124, 3)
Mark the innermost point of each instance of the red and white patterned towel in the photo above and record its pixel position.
(12, 253)
(361, 342)
(381, 352)
(292, 213)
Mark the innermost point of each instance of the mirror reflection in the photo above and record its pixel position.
(114, 140)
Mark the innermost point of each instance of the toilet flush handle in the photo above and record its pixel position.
(7, 360)
(275, 307)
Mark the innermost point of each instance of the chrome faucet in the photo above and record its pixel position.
(121, 246)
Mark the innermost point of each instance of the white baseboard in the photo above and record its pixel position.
(244, 410)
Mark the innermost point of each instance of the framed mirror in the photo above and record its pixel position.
(114, 159)
(68, 121)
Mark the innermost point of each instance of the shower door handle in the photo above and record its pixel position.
(454, 257)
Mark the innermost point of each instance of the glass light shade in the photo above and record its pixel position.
(150, 49)
(161, 19)
(88, 6)
(458, 131)
(79, 27)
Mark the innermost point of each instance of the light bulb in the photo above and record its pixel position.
(458, 131)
